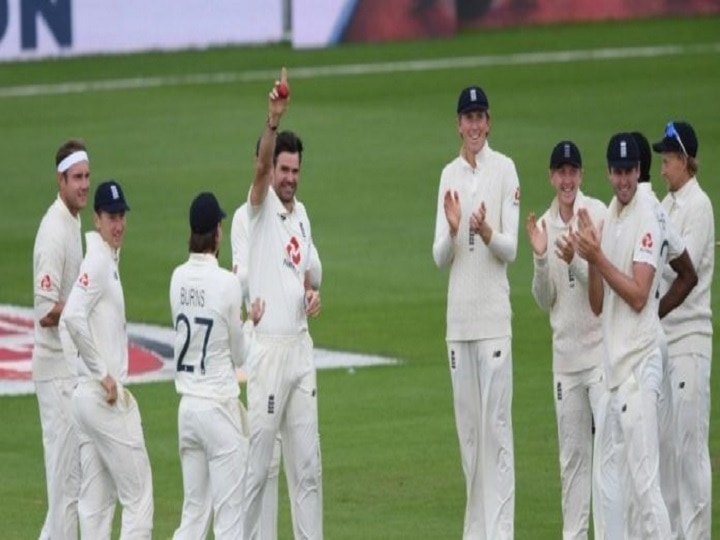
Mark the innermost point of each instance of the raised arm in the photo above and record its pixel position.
(278, 99)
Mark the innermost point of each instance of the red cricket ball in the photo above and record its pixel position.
(282, 90)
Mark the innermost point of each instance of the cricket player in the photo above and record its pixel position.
(210, 341)
(689, 334)
(115, 464)
(622, 259)
(560, 287)
(57, 255)
(673, 252)
(240, 246)
(476, 237)
(282, 389)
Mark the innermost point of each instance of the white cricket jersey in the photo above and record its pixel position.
(562, 290)
(631, 235)
(206, 304)
(672, 245)
(57, 255)
(240, 243)
(478, 291)
(689, 326)
(279, 255)
(95, 314)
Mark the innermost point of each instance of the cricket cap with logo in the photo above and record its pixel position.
(678, 137)
(623, 152)
(565, 153)
(472, 98)
(205, 213)
(109, 197)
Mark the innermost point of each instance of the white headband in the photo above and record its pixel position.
(72, 159)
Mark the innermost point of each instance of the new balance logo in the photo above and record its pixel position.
(271, 404)
(453, 364)
(559, 391)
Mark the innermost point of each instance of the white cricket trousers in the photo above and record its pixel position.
(61, 449)
(269, 511)
(282, 397)
(481, 374)
(115, 464)
(577, 400)
(213, 451)
(626, 448)
(685, 473)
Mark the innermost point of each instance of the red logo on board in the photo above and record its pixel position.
(146, 356)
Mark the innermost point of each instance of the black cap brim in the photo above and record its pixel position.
(473, 107)
(115, 208)
(624, 164)
(667, 145)
(570, 162)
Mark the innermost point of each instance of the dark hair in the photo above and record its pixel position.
(289, 142)
(67, 148)
(203, 243)
(645, 155)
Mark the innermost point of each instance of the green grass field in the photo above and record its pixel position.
(375, 145)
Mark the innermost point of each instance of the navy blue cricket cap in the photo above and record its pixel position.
(565, 153)
(678, 137)
(623, 152)
(109, 197)
(472, 98)
(205, 213)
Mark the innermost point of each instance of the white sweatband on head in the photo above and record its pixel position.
(72, 159)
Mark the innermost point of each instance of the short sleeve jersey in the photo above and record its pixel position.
(672, 244)
(57, 255)
(206, 303)
(631, 235)
(279, 255)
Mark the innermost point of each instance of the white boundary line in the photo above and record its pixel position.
(540, 57)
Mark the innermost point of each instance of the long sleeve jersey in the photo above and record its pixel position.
(562, 290)
(206, 304)
(478, 305)
(57, 255)
(95, 314)
(689, 327)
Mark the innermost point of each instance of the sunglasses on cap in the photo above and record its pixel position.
(672, 133)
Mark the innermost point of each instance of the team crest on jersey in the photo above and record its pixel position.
(84, 280)
(293, 251)
(647, 242)
(46, 282)
(516, 199)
